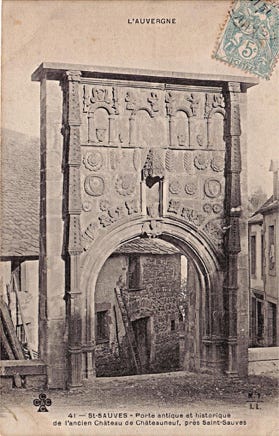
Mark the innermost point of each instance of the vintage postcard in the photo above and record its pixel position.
(139, 255)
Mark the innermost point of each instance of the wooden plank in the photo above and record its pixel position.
(10, 330)
(5, 342)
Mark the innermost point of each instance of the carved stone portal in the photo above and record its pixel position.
(151, 157)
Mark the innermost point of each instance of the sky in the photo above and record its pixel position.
(97, 33)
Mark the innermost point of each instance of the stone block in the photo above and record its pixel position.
(6, 383)
(35, 381)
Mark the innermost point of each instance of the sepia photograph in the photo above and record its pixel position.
(139, 242)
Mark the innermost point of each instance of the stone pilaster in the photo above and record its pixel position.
(72, 161)
(52, 317)
(234, 221)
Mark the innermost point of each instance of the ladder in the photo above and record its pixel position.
(128, 329)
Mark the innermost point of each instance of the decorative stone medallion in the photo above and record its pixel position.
(217, 208)
(207, 208)
(87, 206)
(93, 161)
(217, 163)
(175, 187)
(125, 184)
(94, 185)
(104, 205)
(191, 188)
(201, 161)
(212, 188)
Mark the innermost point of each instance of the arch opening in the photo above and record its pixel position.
(138, 312)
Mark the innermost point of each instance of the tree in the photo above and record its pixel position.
(256, 199)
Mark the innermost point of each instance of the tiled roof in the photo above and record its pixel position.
(144, 245)
(19, 195)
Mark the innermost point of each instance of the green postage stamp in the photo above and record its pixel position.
(250, 38)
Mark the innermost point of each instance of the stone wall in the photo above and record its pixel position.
(156, 299)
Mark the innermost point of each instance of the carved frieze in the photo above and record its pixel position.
(125, 184)
(94, 185)
(93, 161)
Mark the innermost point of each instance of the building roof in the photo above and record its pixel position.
(269, 205)
(20, 167)
(256, 219)
(150, 246)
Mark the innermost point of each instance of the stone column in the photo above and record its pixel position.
(52, 314)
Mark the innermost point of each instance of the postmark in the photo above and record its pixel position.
(250, 38)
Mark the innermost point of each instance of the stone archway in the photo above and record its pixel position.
(101, 183)
(209, 345)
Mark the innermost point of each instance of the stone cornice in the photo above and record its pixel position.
(55, 71)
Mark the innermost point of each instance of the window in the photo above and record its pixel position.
(262, 255)
(271, 324)
(134, 273)
(253, 254)
(271, 248)
(257, 322)
(102, 329)
(172, 325)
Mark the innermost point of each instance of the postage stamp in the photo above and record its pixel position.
(250, 37)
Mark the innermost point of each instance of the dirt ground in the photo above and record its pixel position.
(253, 400)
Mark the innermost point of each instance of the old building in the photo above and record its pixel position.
(19, 246)
(264, 269)
(137, 309)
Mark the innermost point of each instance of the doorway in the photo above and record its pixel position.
(141, 328)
